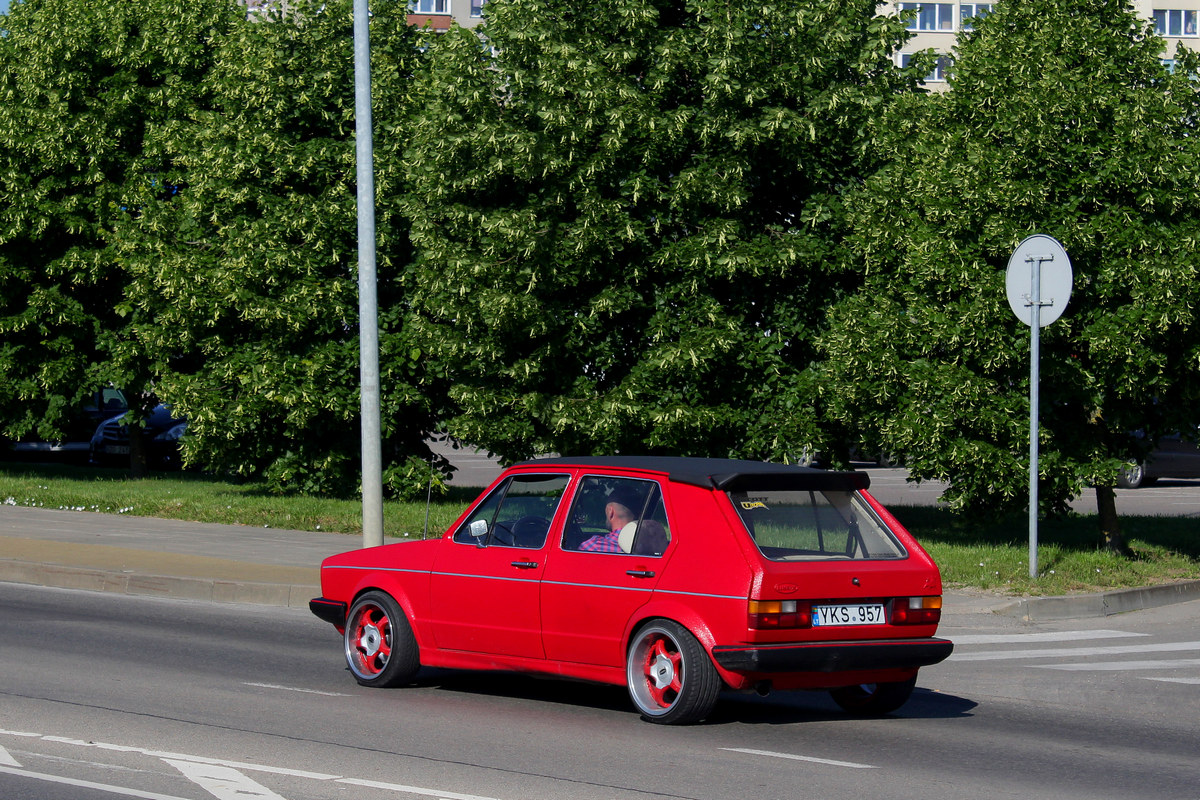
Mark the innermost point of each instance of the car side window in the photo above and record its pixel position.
(517, 513)
(617, 515)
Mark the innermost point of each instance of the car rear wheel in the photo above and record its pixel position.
(380, 647)
(671, 679)
(874, 698)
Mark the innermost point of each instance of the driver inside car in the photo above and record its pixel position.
(617, 514)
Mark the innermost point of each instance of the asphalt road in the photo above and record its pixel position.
(114, 696)
(890, 485)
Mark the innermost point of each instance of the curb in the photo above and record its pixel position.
(1120, 601)
(212, 590)
(146, 582)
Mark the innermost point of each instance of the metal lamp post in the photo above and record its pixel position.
(368, 311)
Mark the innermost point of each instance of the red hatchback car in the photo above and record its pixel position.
(675, 577)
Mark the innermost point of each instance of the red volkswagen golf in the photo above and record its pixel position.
(675, 577)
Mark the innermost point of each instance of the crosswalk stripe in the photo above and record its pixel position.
(1053, 636)
(1121, 666)
(1069, 652)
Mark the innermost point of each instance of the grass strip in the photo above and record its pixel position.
(986, 553)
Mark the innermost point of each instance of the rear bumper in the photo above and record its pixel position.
(842, 656)
(332, 611)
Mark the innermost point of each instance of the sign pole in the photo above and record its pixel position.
(1041, 266)
(1035, 357)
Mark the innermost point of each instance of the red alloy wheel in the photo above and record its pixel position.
(370, 644)
(670, 676)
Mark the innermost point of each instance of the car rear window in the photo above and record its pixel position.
(793, 525)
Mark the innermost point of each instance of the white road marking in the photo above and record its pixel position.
(103, 787)
(7, 760)
(120, 748)
(1018, 638)
(397, 787)
(222, 782)
(296, 689)
(793, 757)
(1068, 652)
(222, 775)
(1121, 666)
(1194, 681)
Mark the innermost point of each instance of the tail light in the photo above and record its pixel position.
(916, 610)
(772, 614)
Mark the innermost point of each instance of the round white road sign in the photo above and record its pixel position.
(1039, 272)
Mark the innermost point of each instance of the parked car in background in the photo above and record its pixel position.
(1174, 456)
(675, 577)
(110, 442)
(99, 405)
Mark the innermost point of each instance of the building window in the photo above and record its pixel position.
(1175, 22)
(968, 12)
(940, 70)
(930, 16)
(430, 6)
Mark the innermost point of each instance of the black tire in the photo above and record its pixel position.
(1135, 477)
(670, 677)
(869, 699)
(380, 647)
(1132, 476)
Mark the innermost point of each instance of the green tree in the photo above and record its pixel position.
(1059, 119)
(628, 219)
(81, 81)
(245, 264)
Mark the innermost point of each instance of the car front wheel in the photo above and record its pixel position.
(874, 698)
(671, 679)
(380, 647)
(1133, 477)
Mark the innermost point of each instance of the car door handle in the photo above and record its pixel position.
(525, 564)
(639, 573)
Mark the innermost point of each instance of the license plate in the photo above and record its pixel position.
(865, 614)
(117, 449)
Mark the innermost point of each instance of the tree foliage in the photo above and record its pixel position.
(629, 220)
(81, 82)
(245, 265)
(1059, 119)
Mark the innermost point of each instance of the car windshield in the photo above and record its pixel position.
(792, 525)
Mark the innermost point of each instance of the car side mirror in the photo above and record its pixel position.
(479, 530)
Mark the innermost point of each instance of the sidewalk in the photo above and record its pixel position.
(240, 564)
(149, 556)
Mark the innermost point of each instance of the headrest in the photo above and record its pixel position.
(625, 537)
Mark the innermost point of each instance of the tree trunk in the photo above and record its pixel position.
(137, 452)
(1110, 525)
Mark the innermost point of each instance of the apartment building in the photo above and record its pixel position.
(441, 14)
(937, 25)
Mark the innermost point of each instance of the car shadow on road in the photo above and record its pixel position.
(515, 685)
(787, 708)
(777, 708)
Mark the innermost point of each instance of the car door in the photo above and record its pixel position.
(1175, 457)
(484, 589)
(589, 595)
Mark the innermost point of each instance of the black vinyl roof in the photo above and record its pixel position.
(726, 474)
